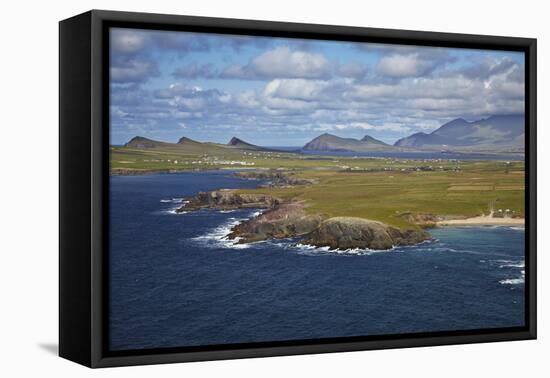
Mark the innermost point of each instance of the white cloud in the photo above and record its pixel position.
(127, 41)
(398, 65)
(281, 62)
(300, 89)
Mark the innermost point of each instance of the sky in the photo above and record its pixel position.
(285, 92)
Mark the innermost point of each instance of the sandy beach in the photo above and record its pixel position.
(483, 220)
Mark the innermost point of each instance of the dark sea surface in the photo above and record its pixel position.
(175, 281)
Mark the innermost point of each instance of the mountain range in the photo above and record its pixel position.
(505, 133)
(496, 133)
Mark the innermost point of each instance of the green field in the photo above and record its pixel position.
(380, 189)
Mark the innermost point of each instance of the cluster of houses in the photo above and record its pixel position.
(504, 213)
(223, 162)
(419, 168)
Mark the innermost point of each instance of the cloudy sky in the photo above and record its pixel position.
(284, 92)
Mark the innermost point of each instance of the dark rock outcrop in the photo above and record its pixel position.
(227, 199)
(348, 232)
(283, 221)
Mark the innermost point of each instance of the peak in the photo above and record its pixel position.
(458, 121)
(138, 138)
(186, 140)
(142, 142)
(235, 141)
(369, 139)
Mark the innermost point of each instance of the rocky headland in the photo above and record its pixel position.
(288, 219)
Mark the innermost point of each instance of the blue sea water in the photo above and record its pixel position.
(175, 281)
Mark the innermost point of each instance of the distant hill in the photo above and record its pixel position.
(185, 140)
(142, 142)
(242, 145)
(239, 143)
(371, 140)
(505, 132)
(329, 142)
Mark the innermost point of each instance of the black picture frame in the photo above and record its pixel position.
(84, 189)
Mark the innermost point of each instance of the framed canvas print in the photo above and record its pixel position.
(233, 188)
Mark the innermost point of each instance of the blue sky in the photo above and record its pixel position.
(284, 92)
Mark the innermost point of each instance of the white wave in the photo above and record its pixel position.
(174, 200)
(515, 280)
(312, 250)
(520, 264)
(218, 237)
(517, 228)
(227, 211)
(512, 281)
(174, 212)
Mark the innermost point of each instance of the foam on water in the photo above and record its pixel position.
(218, 237)
(173, 200)
(513, 281)
(172, 210)
(512, 265)
(312, 250)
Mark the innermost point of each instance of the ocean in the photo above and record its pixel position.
(175, 281)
